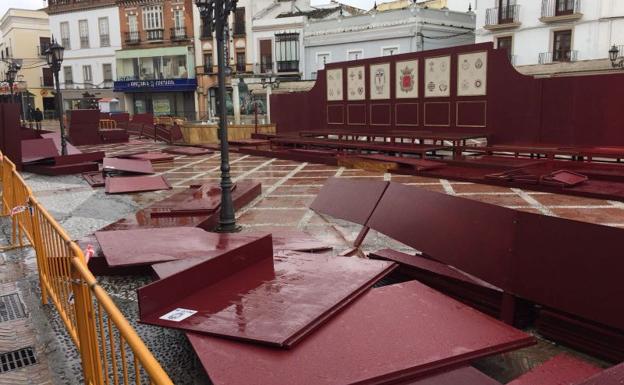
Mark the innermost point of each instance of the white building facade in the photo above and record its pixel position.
(551, 36)
(384, 33)
(90, 33)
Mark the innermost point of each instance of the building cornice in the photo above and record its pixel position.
(74, 6)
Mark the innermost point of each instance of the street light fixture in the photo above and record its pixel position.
(214, 15)
(11, 75)
(614, 55)
(54, 57)
(269, 84)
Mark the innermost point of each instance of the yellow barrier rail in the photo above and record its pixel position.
(111, 351)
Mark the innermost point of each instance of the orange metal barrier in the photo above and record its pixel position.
(110, 349)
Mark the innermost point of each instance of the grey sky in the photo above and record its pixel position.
(27, 4)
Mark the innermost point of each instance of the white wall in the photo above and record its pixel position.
(95, 55)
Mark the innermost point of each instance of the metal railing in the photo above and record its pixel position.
(288, 66)
(111, 352)
(42, 49)
(155, 34)
(84, 41)
(564, 55)
(133, 37)
(502, 15)
(552, 8)
(65, 41)
(178, 33)
(104, 40)
(46, 81)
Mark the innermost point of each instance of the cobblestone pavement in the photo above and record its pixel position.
(288, 187)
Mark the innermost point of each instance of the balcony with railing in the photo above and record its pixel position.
(502, 17)
(208, 69)
(155, 34)
(264, 67)
(560, 10)
(42, 49)
(84, 41)
(133, 37)
(178, 34)
(46, 81)
(288, 66)
(65, 42)
(559, 56)
(104, 40)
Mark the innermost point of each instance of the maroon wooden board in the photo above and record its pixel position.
(390, 335)
(462, 376)
(473, 236)
(249, 294)
(56, 137)
(133, 184)
(84, 127)
(134, 166)
(153, 157)
(568, 178)
(612, 376)
(350, 200)
(562, 369)
(38, 149)
(188, 150)
(148, 246)
(199, 199)
(94, 178)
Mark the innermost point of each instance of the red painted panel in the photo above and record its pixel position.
(462, 376)
(38, 149)
(135, 166)
(153, 157)
(611, 376)
(406, 114)
(83, 127)
(559, 370)
(335, 114)
(356, 114)
(380, 114)
(248, 294)
(188, 150)
(56, 137)
(471, 114)
(437, 114)
(132, 184)
(10, 136)
(347, 199)
(398, 333)
(472, 236)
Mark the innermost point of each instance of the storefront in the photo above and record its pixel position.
(160, 81)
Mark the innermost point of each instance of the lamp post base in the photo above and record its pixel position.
(228, 228)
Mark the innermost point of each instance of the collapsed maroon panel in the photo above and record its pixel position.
(612, 376)
(245, 294)
(347, 199)
(190, 151)
(572, 266)
(391, 334)
(148, 246)
(135, 166)
(38, 149)
(202, 199)
(462, 376)
(132, 184)
(473, 236)
(56, 137)
(559, 370)
(153, 156)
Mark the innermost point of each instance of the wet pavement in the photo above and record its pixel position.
(288, 187)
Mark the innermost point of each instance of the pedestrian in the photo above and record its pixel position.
(38, 115)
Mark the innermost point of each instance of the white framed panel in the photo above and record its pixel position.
(380, 81)
(438, 77)
(334, 84)
(406, 79)
(356, 83)
(472, 74)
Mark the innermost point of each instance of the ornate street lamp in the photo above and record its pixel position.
(214, 15)
(54, 57)
(614, 54)
(11, 75)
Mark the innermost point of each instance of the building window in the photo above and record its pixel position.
(47, 78)
(64, 27)
(287, 52)
(86, 75)
(240, 61)
(355, 55)
(564, 7)
(389, 51)
(179, 30)
(83, 32)
(68, 76)
(44, 43)
(107, 71)
(153, 22)
(133, 36)
(322, 59)
(266, 56)
(104, 33)
(505, 43)
(208, 62)
(239, 22)
(562, 45)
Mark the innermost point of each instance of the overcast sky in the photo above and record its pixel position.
(459, 5)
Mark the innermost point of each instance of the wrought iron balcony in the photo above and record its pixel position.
(84, 41)
(104, 40)
(502, 17)
(264, 67)
(208, 69)
(178, 34)
(241, 67)
(239, 29)
(65, 42)
(564, 55)
(155, 34)
(559, 10)
(46, 81)
(288, 66)
(133, 37)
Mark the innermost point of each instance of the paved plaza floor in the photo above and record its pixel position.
(288, 187)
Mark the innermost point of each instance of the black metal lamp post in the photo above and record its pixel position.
(11, 75)
(269, 83)
(214, 15)
(54, 56)
(614, 54)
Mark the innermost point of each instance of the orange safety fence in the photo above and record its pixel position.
(111, 351)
